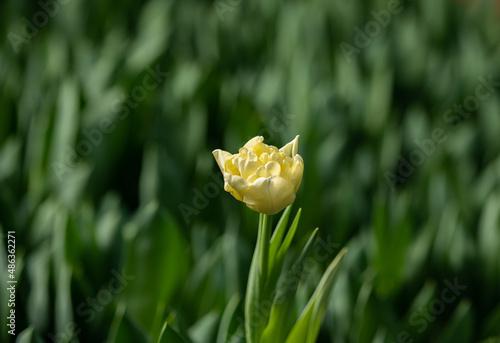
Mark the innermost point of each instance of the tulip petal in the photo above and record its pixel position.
(296, 172)
(264, 158)
(288, 161)
(248, 168)
(221, 157)
(273, 168)
(276, 158)
(261, 148)
(239, 184)
(252, 178)
(269, 195)
(263, 172)
(239, 163)
(233, 192)
(252, 156)
(243, 152)
(230, 167)
(291, 149)
(285, 174)
(250, 144)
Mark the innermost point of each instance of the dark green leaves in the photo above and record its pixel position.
(156, 260)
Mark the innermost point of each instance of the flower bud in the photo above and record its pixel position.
(262, 176)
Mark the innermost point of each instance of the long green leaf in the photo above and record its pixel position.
(460, 327)
(124, 327)
(205, 329)
(306, 328)
(279, 249)
(278, 235)
(277, 265)
(289, 237)
(154, 261)
(228, 323)
(169, 335)
(25, 336)
(283, 301)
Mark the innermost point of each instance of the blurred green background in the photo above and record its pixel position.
(108, 116)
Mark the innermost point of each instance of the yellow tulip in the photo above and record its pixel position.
(262, 176)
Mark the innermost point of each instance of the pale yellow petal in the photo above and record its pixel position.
(233, 192)
(221, 157)
(269, 195)
(252, 156)
(273, 149)
(297, 170)
(231, 167)
(261, 148)
(243, 152)
(273, 168)
(250, 144)
(276, 158)
(291, 149)
(252, 178)
(286, 173)
(248, 168)
(262, 172)
(239, 184)
(264, 158)
(239, 163)
(288, 161)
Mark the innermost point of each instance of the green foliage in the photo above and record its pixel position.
(279, 316)
(108, 116)
(270, 292)
(168, 334)
(306, 328)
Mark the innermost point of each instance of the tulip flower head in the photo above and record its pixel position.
(262, 176)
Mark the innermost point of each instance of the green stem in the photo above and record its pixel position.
(265, 236)
(255, 315)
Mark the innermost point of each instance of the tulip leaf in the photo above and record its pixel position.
(169, 335)
(229, 321)
(172, 331)
(275, 263)
(26, 336)
(492, 322)
(278, 235)
(276, 329)
(491, 340)
(152, 236)
(460, 326)
(205, 329)
(288, 239)
(124, 327)
(306, 328)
